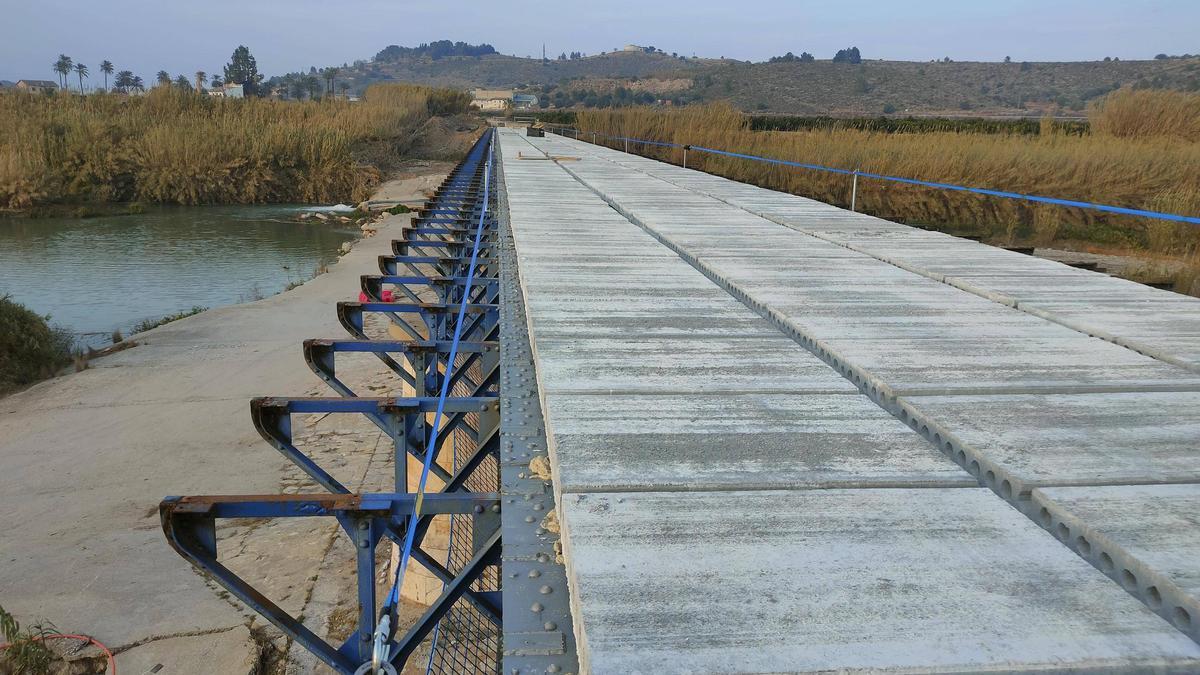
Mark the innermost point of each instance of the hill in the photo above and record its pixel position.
(789, 87)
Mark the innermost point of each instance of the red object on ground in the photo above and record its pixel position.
(387, 296)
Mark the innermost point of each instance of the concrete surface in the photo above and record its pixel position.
(231, 652)
(981, 269)
(85, 459)
(1147, 537)
(673, 414)
(1085, 439)
(911, 581)
(711, 441)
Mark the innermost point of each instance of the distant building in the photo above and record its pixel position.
(524, 101)
(633, 48)
(37, 86)
(492, 99)
(234, 91)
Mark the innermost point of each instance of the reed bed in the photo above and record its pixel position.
(1136, 170)
(178, 147)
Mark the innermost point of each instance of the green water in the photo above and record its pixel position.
(97, 275)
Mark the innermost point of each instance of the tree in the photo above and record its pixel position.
(163, 78)
(345, 87)
(850, 55)
(312, 85)
(330, 79)
(124, 80)
(63, 67)
(106, 67)
(805, 57)
(217, 82)
(82, 71)
(1157, 57)
(243, 69)
(201, 79)
(298, 87)
(1008, 59)
(183, 83)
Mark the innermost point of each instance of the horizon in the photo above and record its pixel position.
(1068, 32)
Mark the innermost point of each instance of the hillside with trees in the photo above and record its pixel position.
(843, 83)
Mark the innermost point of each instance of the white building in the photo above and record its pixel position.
(492, 99)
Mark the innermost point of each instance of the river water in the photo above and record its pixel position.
(97, 275)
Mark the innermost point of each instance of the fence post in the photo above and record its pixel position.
(685, 149)
(627, 145)
(854, 192)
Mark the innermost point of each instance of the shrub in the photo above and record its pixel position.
(30, 349)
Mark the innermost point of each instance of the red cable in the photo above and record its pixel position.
(112, 662)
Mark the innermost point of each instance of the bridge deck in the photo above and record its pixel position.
(710, 353)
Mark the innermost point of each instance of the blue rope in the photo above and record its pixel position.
(1194, 220)
(393, 599)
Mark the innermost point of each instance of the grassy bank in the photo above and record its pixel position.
(1142, 151)
(178, 147)
(30, 349)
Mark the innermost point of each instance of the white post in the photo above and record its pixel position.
(854, 193)
(626, 146)
(685, 156)
(593, 138)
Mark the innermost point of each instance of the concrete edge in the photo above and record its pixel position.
(1154, 589)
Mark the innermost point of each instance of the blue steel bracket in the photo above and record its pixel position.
(407, 246)
(320, 355)
(444, 265)
(403, 419)
(437, 319)
(447, 289)
(189, 524)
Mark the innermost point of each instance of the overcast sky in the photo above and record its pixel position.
(285, 35)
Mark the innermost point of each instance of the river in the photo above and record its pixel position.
(97, 275)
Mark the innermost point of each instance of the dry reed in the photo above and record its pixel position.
(1126, 168)
(172, 146)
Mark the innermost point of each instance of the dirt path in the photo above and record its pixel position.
(85, 459)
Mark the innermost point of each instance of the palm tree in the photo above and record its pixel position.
(217, 81)
(163, 78)
(345, 87)
(312, 85)
(182, 83)
(137, 83)
(82, 71)
(106, 67)
(123, 81)
(63, 67)
(331, 74)
(201, 78)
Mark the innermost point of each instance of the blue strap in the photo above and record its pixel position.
(1143, 213)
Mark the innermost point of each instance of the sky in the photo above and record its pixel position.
(146, 36)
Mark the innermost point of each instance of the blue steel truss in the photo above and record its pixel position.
(426, 277)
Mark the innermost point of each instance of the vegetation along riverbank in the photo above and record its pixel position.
(172, 146)
(1141, 150)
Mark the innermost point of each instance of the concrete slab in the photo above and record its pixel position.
(1028, 441)
(1147, 537)
(232, 652)
(845, 581)
(699, 441)
(1001, 276)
